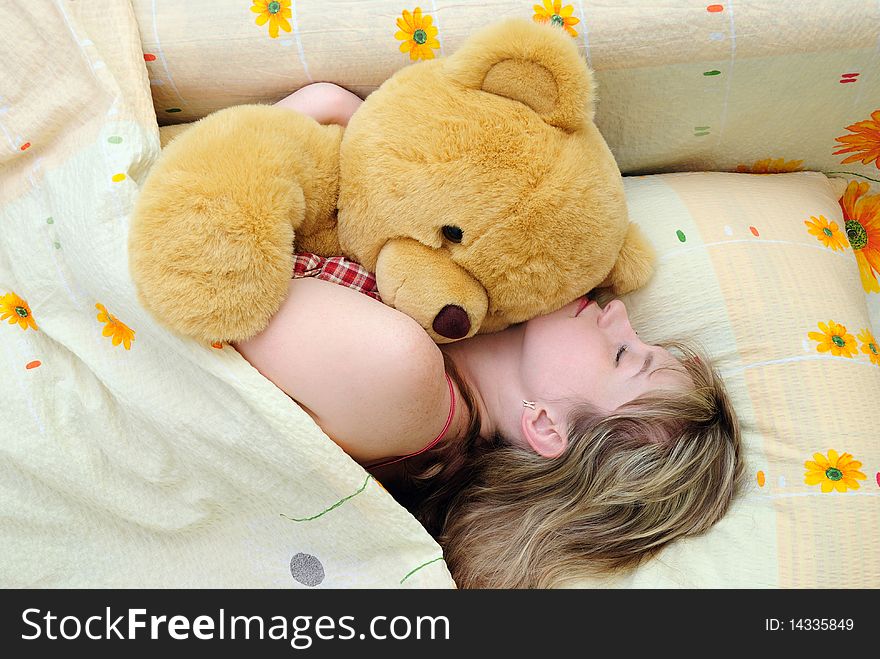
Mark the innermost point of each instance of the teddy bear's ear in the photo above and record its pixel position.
(635, 263)
(538, 65)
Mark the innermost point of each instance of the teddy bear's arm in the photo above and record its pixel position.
(212, 234)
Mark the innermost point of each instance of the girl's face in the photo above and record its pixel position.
(583, 352)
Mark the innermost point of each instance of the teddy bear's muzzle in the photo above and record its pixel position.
(427, 285)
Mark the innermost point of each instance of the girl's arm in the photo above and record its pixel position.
(325, 102)
(367, 374)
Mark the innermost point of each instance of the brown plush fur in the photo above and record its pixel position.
(212, 231)
(497, 139)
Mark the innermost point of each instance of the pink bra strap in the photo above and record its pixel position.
(439, 437)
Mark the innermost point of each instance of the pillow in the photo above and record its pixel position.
(747, 272)
(682, 86)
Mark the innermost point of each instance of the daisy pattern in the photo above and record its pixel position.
(17, 311)
(554, 13)
(418, 35)
(835, 339)
(834, 472)
(869, 345)
(827, 232)
(771, 166)
(861, 214)
(864, 142)
(115, 328)
(275, 13)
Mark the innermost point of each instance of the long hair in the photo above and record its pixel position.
(660, 467)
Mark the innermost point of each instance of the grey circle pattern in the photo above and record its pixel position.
(307, 569)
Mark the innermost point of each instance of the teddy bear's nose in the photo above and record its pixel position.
(452, 322)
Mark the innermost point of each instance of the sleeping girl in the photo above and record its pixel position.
(560, 446)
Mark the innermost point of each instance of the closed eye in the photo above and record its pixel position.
(619, 352)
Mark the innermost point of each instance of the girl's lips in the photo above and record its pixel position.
(585, 302)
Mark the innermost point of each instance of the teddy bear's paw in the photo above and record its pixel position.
(212, 290)
(204, 266)
(212, 234)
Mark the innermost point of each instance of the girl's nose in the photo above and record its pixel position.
(614, 315)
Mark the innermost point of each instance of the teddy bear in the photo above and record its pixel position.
(475, 186)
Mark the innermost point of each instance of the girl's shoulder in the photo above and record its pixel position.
(370, 376)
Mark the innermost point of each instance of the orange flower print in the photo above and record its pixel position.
(861, 215)
(834, 472)
(834, 338)
(275, 13)
(120, 332)
(417, 34)
(827, 233)
(554, 13)
(17, 311)
(771, 166)
(869, 345)
(865, 141)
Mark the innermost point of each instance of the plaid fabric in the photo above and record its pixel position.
(336, 269)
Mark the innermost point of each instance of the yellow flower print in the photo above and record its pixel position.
(869, 345)
(834, 472)
(553, 12)
(771, 166)
(861, 215)
(828, 233)
(120, 332)
(417, 34)
(835, 339)
(17, 311)
(276, 13)
(865, 141)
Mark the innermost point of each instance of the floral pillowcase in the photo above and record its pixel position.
(767, 275)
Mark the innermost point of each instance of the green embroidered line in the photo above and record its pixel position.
(335, 505)
(412, 572)
(854, 174)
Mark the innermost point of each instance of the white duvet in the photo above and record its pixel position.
(131, 457)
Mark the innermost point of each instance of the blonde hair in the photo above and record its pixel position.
(663, 466)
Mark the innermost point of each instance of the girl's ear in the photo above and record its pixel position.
(546, 437)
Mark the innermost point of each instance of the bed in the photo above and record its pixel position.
(747, 132)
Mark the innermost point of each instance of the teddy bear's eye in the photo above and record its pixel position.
(453, 233)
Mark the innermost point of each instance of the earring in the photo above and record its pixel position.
(530, 404)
